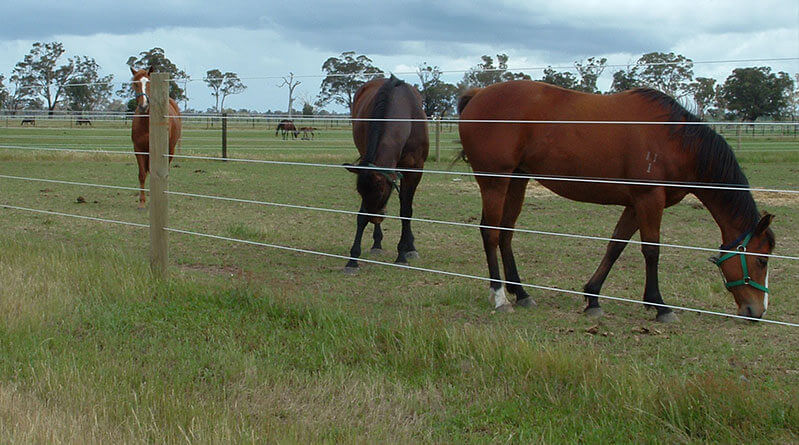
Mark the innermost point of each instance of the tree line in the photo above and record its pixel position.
(43, 79)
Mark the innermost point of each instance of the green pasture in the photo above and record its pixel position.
(249, 344)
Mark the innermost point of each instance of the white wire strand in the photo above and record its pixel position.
(91, 218)
(478, 226)
(54, 181)
(74, 150)
(403, 266)
(500, 175)
(475, 277)
(518, 121)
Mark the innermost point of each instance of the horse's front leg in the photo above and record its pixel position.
(142, 161)
(377, 238)
(405, 248)
(355, 251)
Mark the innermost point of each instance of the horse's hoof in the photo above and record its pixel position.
(412, 255)
(349, 270)
(376, 251)
(594, 311)
(526, 302)
(401, 263)
(667, 317)
(504, 309)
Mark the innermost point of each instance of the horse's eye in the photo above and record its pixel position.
(763, 261)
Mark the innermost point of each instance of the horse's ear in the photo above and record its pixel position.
(347, 165)
(763, 224)
(149, 70)
(132, 71)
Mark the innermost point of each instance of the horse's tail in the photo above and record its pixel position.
(466, 97)
(379, 110)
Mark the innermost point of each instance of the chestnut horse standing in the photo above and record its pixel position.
(650, 153)
(140, 128)
(384, 145)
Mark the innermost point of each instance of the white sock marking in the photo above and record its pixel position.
(498, 297)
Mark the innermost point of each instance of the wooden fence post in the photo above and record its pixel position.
(224, 135)
(437, 121)
(159, 172)
(738, 129)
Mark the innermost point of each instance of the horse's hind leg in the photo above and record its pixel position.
(513, 206)
(493, 192)
(355, 251)
(625, 228)
(405, 248)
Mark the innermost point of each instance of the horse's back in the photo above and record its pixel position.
(556, 147)
(405, 121)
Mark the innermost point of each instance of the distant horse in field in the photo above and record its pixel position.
(683, 154)
(385, 145)
(308, 133)
(28, 120)
(286, 128)
(83, 121)
(140, 128)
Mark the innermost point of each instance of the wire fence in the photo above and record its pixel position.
(645, 183)
(414, 268)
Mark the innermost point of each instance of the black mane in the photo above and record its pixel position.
(379, 110)
(715, 160)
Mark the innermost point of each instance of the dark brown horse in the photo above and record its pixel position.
(140, 128)
(655, 153)
(385, 145)
(287, 128)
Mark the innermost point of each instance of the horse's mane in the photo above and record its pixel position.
(715, 160)
(379, 109)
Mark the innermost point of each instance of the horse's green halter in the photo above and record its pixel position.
(746, 279)
(387, 173)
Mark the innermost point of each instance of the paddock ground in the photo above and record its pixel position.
(245, 343)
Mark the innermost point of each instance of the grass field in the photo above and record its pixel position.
(249, 344)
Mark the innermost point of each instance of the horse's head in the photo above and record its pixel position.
(374, 186)
(746, 276)
(141, 86)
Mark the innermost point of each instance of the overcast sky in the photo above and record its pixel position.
(256, 39)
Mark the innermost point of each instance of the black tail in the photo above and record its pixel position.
(379, 110)
(465, 98)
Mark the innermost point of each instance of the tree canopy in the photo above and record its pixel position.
(223, 85)
(438, 97)
(344, 75)
(157, 59)
(38, 74)
(486, 73)
(754, 92)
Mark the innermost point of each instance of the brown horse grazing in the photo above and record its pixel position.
(657, 153)
(287, 128)
(308, 133)
(386, 145)
(140, 128)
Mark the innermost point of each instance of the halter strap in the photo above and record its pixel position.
(387, 172)
(746, 279)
